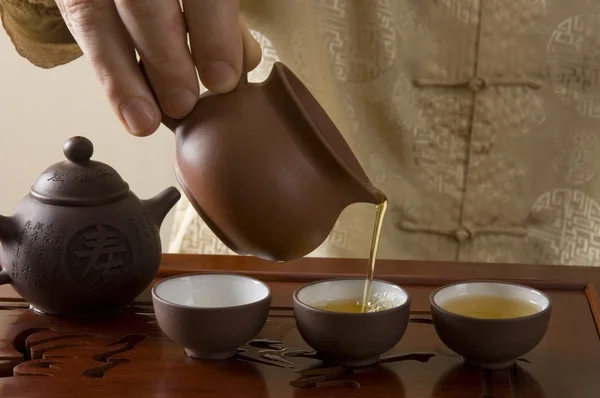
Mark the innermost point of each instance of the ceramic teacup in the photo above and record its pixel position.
(484, 338)
(351, 339)
(211, 315)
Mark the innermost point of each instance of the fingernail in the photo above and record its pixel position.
(219, 76)
(179, 102)
(138, 115)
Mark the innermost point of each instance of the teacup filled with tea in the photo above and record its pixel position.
(333, 319)
(490, 324)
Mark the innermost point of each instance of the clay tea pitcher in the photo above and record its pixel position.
(81, 242)
(266, 168)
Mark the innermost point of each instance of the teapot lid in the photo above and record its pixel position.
(79, 181)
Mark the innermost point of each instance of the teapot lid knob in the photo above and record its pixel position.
(78, 149)
(79, 180)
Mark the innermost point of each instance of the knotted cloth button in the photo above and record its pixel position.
(482, 148)
(477, 84)
(462, 234)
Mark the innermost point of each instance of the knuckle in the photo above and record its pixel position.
(166, 56)
(160, 50)
(163, 60)
(134, 5)
(81, 12)
(110, 85)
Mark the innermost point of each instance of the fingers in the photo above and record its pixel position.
(252, 50)
(97, 27)
(216, 42)
(109, 32)
(160, 36)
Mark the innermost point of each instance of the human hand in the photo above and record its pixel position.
(110, 31)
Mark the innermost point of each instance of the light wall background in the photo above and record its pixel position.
(41, 108)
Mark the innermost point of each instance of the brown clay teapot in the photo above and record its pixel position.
(266, 168)
(81, 242)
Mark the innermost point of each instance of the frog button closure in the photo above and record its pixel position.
(463, 234)
(477, 84)
(482, 148)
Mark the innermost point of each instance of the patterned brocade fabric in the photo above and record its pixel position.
(480, 120)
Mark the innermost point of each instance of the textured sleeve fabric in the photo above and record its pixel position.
(38, 32)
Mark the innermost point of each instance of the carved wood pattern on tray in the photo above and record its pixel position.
(47, 351)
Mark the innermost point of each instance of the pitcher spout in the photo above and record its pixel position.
(160, 205)
(363, 192)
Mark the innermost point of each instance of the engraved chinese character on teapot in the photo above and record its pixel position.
(81, 242)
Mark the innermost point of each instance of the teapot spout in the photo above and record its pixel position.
(8, 229)
(160, 205)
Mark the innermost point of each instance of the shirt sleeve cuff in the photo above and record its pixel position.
(38, 32)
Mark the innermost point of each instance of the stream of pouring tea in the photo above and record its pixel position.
(381, 209)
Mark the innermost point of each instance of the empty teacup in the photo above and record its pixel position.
(211, 315)
(329, 318)
(490, 324)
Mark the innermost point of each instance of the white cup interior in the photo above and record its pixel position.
(346, 289)
(491, 289)
(211, 290)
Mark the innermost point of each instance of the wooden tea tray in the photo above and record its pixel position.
(126, 355)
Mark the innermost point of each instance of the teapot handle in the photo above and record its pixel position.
(4, 277)
(7, 233)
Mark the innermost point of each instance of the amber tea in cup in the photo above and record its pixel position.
(330, 319)
(490, 323)
(344, 305)
(379, 301)
(490, 306)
